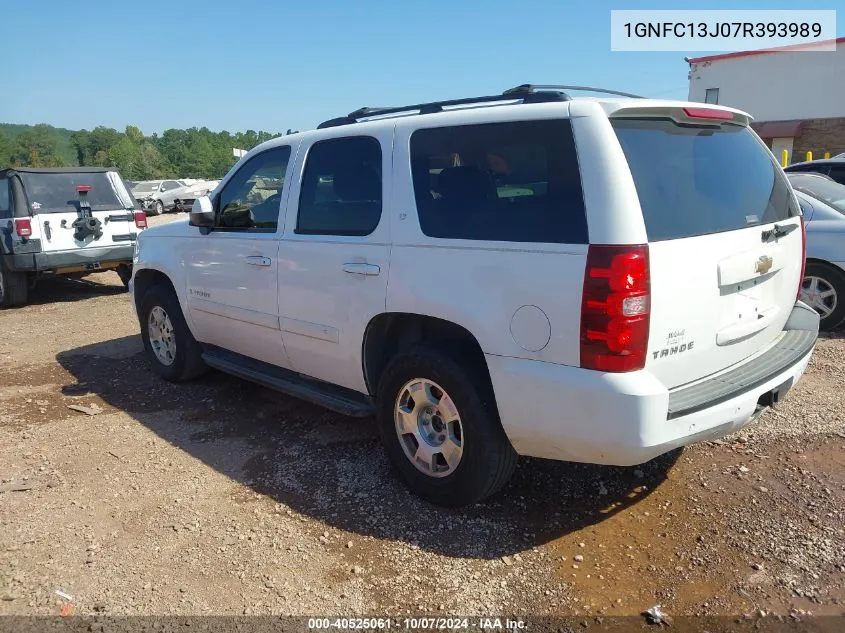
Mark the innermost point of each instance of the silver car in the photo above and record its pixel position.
(158, 196)
(823, 203)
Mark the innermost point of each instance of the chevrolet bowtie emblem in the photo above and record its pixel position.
(764, 264)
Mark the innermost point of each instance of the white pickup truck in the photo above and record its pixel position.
(597, 280)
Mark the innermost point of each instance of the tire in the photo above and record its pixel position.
(124, 271)
(822, 278)
(487, 459)
(158, 208)
(14, 287)
(185, 354)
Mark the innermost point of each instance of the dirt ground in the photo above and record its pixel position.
(220, 497)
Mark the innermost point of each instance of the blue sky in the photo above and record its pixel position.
(274, 65)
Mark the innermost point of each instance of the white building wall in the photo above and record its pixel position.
(776, 86)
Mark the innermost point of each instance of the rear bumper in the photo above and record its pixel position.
(47, 261)
(572, 414)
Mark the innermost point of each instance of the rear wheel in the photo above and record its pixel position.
(441, 430)
(172, 349)
(823, 289)
(14, 287)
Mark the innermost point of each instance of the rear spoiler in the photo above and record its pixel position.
(690, 114)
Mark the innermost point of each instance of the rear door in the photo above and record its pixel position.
(59, 214)
(334, 256)
(725, 240)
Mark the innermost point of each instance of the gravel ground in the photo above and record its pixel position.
(220, 497)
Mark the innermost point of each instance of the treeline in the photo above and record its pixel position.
(191, 153)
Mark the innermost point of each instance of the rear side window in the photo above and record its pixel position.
(5, 199)
(341, 187)
(694, 180)
(513, 182)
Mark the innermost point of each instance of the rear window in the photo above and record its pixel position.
(828, 191)
(56, 192)
(513, 182)
(693, 180)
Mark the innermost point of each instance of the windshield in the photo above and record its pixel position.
(700, 180)
(146, 187)
(827, 191)
(56, 192)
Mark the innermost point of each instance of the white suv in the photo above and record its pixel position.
(595, 280)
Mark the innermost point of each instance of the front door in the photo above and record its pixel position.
(334, 256)
(232, 273)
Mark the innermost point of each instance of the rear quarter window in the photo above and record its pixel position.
(694, 180)
(5, 199)
(512, 182)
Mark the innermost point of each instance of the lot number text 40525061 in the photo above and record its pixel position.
(416, 624)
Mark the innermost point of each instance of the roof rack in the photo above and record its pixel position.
(437, 106)
(527, 93)
(534, 88)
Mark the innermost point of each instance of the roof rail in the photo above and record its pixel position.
(437, 106)
(535, 88)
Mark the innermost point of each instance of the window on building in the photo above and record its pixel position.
(711, 95)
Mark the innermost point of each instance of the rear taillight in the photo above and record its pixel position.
(140, 219)
(23, 227)
(803, 257)
(615, 308)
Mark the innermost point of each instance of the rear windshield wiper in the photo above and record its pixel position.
(778, 231)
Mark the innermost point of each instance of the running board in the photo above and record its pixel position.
(332, 397)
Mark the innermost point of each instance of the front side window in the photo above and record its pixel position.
(514, 182)
(252, 198)
(170, 185)
(341, 187)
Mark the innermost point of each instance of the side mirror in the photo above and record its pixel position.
(202, 213)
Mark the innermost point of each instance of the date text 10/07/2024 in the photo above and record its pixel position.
(416, 624)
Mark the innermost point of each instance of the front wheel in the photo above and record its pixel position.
(441, 430)
(158, 208)
(823, 289)
(172, 349)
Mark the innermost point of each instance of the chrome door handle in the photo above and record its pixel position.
(360, 268)
(258, 260)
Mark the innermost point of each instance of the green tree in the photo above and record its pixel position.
(38, 147)
(195, 152)
(125, 155)
(151, 164)
(79, 142)
(8, 150)
(134, 134)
